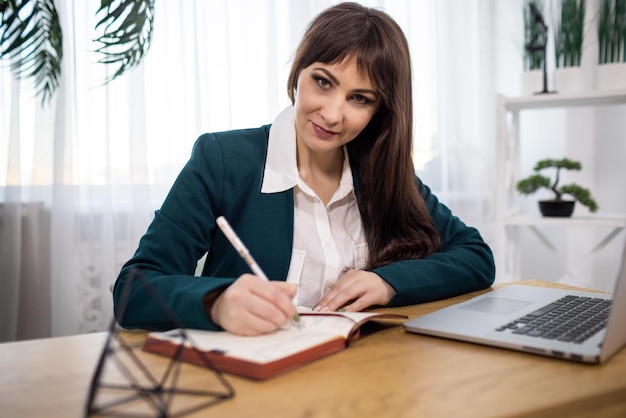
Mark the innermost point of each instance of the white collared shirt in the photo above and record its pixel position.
(327, 239)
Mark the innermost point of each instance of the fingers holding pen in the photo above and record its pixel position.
(248, 306)
(252, 306)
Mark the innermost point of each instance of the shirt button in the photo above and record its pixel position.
(328, 244)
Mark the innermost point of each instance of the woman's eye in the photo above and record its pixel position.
(361, 99)
(322, 82)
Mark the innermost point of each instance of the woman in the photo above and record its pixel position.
(325, 199)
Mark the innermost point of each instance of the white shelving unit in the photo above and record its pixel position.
(509, 217)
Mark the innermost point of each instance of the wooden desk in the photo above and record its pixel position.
(386, 373)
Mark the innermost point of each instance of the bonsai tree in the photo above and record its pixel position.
(537, 181)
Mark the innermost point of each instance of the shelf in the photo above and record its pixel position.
(509, 218)
(544, 101)
(609, 221)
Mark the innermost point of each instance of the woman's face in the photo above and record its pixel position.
(333, 103)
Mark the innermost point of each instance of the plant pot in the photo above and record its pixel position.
(611, 76)
(556, 208)
(531, 82)
(569, 80)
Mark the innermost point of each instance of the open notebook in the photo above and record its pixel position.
(581, 326)
(264, 356)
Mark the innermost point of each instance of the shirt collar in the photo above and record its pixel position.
(281, 167)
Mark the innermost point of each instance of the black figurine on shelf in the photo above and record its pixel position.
(539, 42)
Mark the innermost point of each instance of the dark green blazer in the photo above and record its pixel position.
(224, 177)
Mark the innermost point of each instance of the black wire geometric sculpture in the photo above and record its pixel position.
(124, 385)
(539, 42)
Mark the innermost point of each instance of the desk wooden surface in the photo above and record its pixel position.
(385, 373)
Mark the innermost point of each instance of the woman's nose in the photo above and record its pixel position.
(332, 111)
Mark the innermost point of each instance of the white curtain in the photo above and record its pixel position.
(81, 176)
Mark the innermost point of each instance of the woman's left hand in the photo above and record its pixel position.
(356, 290)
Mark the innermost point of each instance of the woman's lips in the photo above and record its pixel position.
(322, 132)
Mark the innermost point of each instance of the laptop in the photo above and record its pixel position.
(581, 326)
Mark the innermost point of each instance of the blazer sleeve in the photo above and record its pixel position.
(463, 264)
(179, 235)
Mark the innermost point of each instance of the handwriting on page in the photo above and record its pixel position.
(335, 324)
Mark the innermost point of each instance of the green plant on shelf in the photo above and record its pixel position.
(569, 33)
(535, 182)
(612, 31)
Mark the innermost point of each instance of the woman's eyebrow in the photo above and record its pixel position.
(328, 74)
(336, 81)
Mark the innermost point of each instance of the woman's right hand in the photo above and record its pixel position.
(253, 306)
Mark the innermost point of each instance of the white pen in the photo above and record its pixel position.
(244, 253)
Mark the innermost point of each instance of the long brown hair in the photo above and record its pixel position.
(396, 220)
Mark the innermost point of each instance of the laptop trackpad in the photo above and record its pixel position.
(496, 305)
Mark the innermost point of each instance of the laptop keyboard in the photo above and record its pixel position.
(569, 319)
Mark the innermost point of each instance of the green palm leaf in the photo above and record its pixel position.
(31, 39)
(127, 26)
